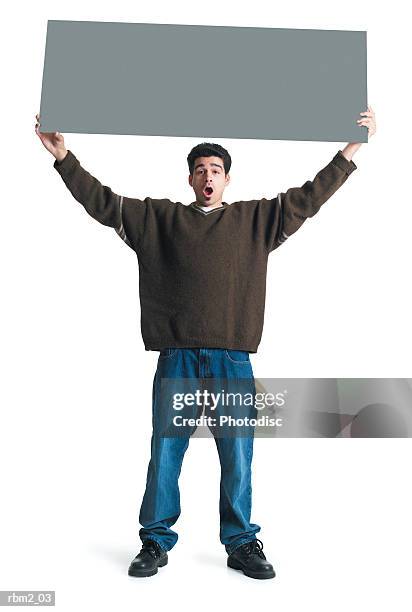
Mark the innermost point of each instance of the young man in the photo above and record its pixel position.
(203, 316)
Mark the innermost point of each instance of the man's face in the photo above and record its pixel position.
(209, 172)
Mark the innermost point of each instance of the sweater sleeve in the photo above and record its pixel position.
(289, 210)
(125, 215)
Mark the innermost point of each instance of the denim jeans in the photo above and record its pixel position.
(160, 507)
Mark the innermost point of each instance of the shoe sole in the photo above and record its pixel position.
(257, 575)
(146, 574)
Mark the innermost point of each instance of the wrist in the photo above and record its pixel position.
(351, 149)
(60, 154)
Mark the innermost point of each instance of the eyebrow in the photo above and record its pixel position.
(212, 164)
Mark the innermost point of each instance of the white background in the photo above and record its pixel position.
(76, 380)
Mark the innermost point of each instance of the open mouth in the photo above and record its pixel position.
(208, 191)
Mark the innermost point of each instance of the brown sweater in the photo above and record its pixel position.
(202, 275)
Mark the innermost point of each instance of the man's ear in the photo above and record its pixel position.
(190, 179)
(227, 179)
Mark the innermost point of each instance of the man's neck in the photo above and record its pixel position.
(209, 207)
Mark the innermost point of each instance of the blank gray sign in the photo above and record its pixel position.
(204, 81)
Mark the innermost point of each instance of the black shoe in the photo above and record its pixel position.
(251, 559)
(148, 560)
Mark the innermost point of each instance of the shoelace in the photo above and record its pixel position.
(152, 548)
(254, 547)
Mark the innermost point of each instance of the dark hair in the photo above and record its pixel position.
(209, 149)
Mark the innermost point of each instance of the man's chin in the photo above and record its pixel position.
(206, 201)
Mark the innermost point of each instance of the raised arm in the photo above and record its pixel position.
(98, 200)
(125, 215)
(286, 213)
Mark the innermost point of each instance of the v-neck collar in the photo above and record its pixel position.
(206, 213)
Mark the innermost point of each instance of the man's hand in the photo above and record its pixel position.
(370, 122)
(52, 141)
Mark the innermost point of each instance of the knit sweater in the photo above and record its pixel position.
(202, 274)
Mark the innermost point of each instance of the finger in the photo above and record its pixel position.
(368, 113)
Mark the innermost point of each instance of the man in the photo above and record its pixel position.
(204, 316)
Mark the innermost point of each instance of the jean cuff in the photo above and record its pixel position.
(230, 549)
(154, 539)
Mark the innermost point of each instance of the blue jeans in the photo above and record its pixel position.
(160, 507)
